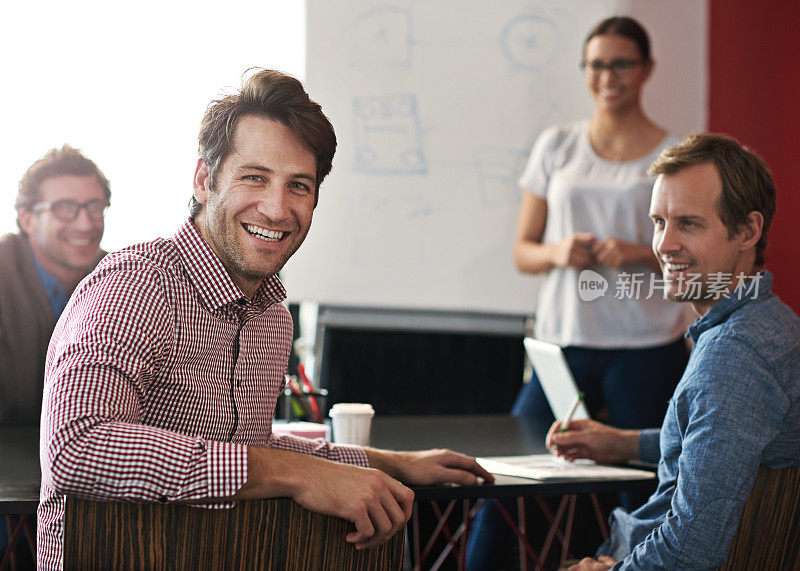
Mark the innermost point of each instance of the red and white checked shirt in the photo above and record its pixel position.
(160, 374)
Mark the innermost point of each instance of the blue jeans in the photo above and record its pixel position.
(635, 385)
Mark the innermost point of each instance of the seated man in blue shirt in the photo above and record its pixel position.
(60, 206)
(737, 406)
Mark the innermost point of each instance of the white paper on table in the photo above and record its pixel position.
(549, 467)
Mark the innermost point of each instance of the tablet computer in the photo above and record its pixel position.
(555, 377)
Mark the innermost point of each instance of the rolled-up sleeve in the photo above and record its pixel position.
(649, 450)
(321, 449)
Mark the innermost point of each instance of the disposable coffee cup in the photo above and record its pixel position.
(351, 423)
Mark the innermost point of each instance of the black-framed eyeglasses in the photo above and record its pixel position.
(620, 67)
(68, 210)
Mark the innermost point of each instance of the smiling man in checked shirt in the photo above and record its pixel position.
(163, 373)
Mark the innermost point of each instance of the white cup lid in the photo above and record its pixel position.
(351, 408)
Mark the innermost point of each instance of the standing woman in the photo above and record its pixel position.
(585, 207)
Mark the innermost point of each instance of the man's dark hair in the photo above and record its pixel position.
(747, 183)
(56, 162)
(271, 95)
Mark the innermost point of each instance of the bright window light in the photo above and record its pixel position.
(127, 83)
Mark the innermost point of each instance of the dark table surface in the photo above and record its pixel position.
(19, 469)
(477, 435)
(485, 435)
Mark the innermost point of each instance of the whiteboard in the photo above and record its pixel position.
(436, 105)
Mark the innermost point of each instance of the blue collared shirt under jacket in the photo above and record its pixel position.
(56, 292)
(736, 407)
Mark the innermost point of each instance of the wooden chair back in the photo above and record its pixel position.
(768, 536)
(259, 534)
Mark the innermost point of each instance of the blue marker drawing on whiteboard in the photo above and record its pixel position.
(387, 132)
(382, 37)
(530, 42)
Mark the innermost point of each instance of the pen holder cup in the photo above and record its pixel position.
(299, 407)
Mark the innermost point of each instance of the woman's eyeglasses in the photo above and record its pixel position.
(620, 67)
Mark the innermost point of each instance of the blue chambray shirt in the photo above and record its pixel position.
(736, 407)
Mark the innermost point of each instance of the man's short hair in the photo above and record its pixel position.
(747, 183)
(56, 162)
(271, 95)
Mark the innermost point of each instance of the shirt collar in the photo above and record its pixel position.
(211, 279)
(760, 286)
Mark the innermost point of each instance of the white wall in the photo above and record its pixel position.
(677, 94)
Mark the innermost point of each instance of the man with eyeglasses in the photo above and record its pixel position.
(60, 206)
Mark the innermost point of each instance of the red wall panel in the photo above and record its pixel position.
(754, 95)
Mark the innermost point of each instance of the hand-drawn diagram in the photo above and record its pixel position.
(398, 220)
(382, 37)
(387, 133)
(530, 42)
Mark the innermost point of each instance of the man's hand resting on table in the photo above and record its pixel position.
(429, 467)
(371, 498)
(375, 503)
(595, 441)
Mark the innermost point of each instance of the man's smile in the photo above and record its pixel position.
(264, 233)
(80, 242)
(675, 267)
